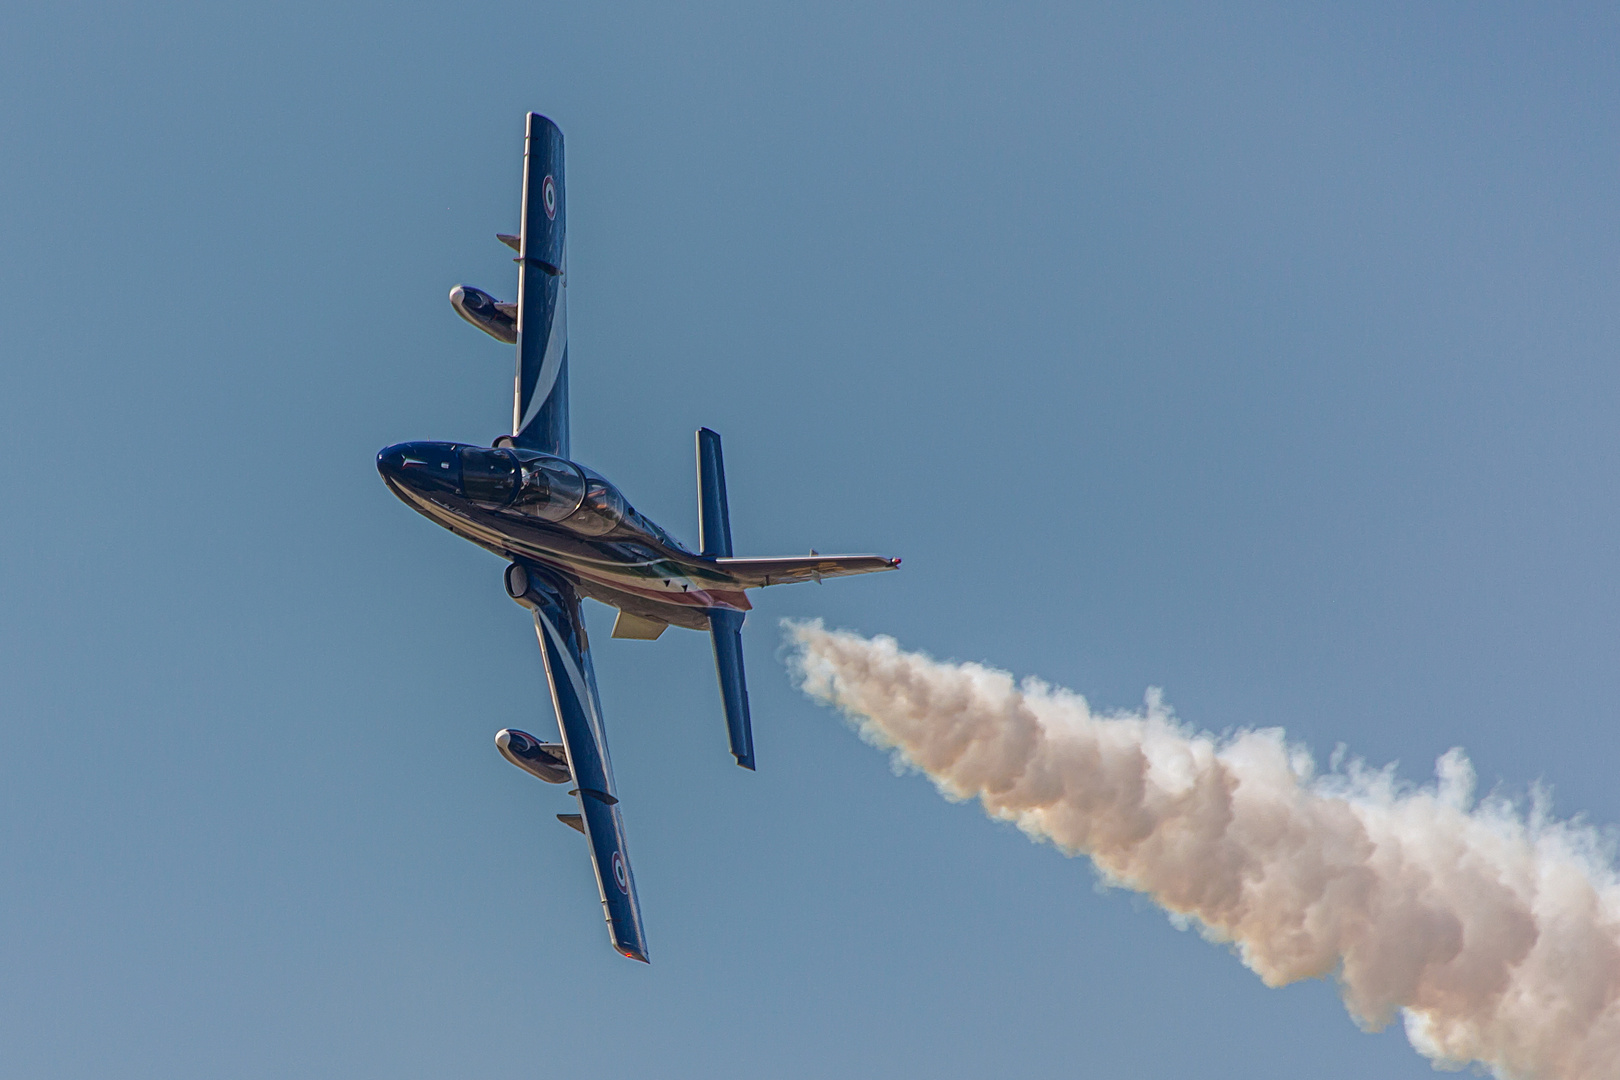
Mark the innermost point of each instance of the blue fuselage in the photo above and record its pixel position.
(539, 508)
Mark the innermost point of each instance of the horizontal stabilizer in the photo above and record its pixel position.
(755, 573)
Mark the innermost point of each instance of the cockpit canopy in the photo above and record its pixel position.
(548, 488)
(488, 476)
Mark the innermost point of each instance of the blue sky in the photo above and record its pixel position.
(1265, 354)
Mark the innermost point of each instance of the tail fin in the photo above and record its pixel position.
(714, 519)
(540, 398)
(726, 626)
(714, 540)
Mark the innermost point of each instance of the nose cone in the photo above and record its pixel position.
(464, 298)
(422, 466)
(515, 743)
(472, 303)
(391, 461)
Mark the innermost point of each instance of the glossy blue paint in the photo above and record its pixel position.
(726, 629)
(540, 411)
(714, 539)
(567, 653)
(568, 533)
(714, 516)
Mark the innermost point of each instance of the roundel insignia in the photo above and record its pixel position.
(620, 875)
(548, 195)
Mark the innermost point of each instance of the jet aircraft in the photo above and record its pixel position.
(568, 534)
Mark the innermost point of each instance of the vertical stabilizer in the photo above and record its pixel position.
(726, 627)
(540, 398)
(714, 540)
(714, 519)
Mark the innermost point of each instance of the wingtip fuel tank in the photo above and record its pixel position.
(548, 761)
(494, 318)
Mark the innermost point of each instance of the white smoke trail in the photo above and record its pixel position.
(1495, 934)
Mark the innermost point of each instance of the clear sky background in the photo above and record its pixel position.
(1265, 354)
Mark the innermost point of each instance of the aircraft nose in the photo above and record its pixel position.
(422, 466)
(391, 461)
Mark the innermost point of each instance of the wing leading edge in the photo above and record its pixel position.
(567, 654)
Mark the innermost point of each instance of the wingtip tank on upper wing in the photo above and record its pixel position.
(494, 318)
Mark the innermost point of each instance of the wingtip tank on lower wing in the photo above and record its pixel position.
(545, 761)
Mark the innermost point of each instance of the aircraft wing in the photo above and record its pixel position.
(579, 714)
(540, 398)
(752, 573)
